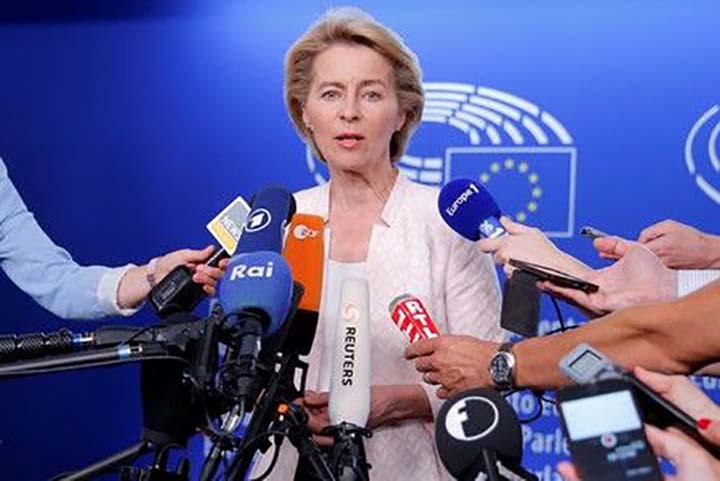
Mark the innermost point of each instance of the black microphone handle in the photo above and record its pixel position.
(15, 347)
(177, 292)
(246, 343)
(215, 259)
(487, 463)
(82, 358)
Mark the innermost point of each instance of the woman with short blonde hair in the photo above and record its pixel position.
(352, 26)
(353, 90)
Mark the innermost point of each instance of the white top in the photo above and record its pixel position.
(336, 273)
(412, 252)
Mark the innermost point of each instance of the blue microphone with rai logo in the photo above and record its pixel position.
(256, 292)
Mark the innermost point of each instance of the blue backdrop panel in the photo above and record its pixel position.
(127, 131)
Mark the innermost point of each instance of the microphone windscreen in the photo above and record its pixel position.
(410, 316)
(305, 252)
(469, 209)
(258, 281)
(264, 229)
(350, 374)
(472, 421)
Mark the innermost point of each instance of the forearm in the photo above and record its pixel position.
(408, 401)
(677, 337)
(712, 251)
(571, 265)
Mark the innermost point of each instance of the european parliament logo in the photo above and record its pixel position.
(522, 153)
(702, 144)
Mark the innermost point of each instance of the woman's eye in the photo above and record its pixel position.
(373, 95)
(330, 94)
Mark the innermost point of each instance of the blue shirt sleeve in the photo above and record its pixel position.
(42, 269)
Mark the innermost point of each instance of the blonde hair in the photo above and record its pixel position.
(352, 25)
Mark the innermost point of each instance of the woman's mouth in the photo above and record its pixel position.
(349, 140)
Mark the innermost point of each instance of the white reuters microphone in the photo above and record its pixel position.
(350, 381)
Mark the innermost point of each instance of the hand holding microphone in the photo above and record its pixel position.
(469, 209)
(176, 286)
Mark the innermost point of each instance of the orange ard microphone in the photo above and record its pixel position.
(411, 317)
(305, 253)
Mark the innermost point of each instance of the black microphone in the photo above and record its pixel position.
(478, 432)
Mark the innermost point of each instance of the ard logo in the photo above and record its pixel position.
(258, 220)
(518, 150)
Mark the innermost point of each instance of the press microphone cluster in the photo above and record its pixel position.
(262, 317)
(304, 252)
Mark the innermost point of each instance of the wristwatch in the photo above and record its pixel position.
(502, 368)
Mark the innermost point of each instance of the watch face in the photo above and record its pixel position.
(500, 368)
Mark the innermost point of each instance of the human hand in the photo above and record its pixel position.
(457, 363)
(567, 470)
(136, 283)
(529, 244)
(638, 277)
(193, 259)
(680, 391)
(316, 407)
(680, 246)
(691, 461)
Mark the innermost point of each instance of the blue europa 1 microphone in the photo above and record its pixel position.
(469, 209)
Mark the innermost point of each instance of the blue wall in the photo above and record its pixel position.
(126, 133)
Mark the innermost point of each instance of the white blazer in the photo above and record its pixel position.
(413, 253)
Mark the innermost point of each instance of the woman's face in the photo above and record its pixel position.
(352, 108)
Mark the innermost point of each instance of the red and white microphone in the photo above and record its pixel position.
(411, 317)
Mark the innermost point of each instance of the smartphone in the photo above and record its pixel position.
(555, 276)
(587, 365)
(591, 232)
(605, 433)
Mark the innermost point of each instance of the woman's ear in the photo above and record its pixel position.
(401, 121)
(306, 120)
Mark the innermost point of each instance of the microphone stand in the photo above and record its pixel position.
(300, 436)
(496, 469)
(349, 459)
(280, 389)
(175, 341)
